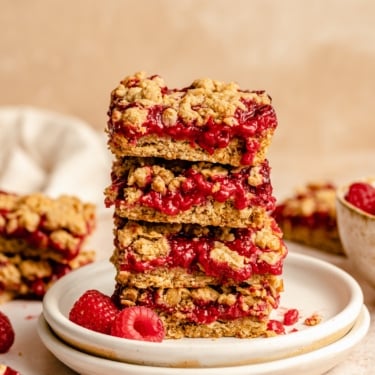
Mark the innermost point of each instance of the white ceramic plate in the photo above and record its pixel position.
(316, 362)
(311, 286)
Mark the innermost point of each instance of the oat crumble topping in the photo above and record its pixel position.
(205, 98)
(222, 254)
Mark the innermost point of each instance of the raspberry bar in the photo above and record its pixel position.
(178, 191)
(30, 277)
(309, 217)
(10, 280)
(207, 121)
(186, 271)
(240, 310)
(41, 239)
(184, 255)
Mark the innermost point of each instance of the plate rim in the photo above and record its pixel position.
(333, 352)
(66, 329)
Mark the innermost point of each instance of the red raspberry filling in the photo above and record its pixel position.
(276, 326)
(39, 286)
(206, 312)
(193, 254)
(251, 126)
(291, 317)
(197, 190)
(40, 237)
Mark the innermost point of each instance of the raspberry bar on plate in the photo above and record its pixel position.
(210, 311)
(206, 121)
(41, 239)
(202, 281)
(185, 255)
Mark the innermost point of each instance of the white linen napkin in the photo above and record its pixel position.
(42, 151)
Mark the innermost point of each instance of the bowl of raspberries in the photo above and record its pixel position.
(356, 225)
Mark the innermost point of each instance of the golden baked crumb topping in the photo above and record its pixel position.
(204, 99)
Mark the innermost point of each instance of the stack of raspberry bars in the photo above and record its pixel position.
(193, 235)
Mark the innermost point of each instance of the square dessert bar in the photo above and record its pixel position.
(211, 311)
(179, 191)
(202, 281)
(41, 239)
(309, 217)
(206, 121)
(30, 277)
(185, 255)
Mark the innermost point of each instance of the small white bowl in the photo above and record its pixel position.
(357, 233)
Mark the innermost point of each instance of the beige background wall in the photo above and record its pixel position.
(315, 58)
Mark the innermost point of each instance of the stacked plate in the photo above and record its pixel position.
(312, 286)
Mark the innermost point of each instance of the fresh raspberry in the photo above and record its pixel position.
(362, 196)
(6, 333)
(6, 370)
(94, 310)
(138, 323)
